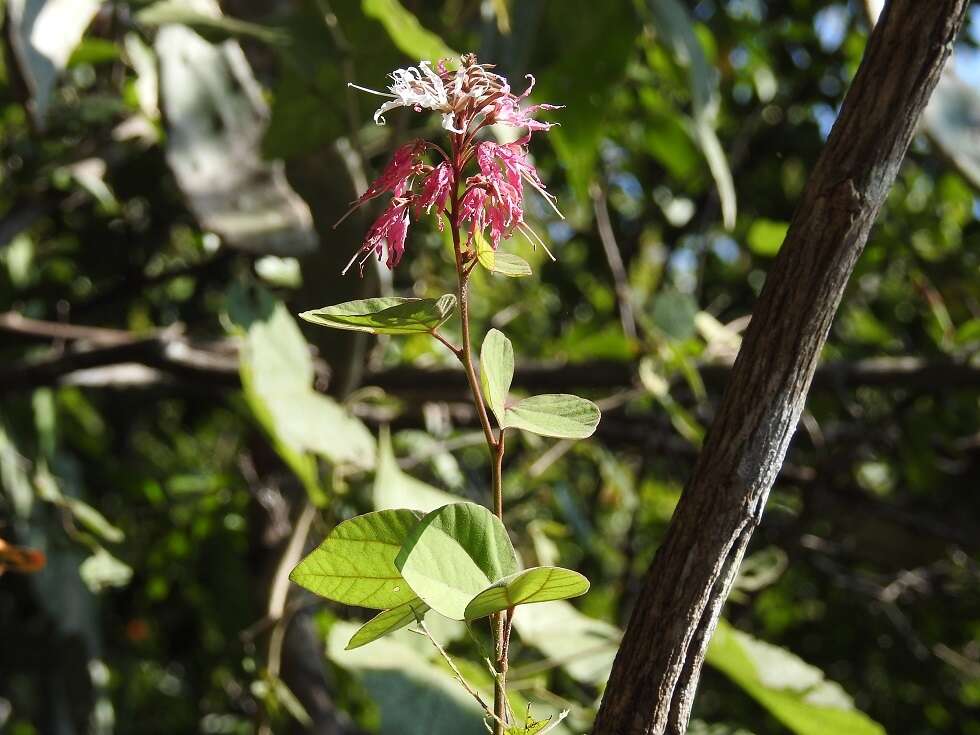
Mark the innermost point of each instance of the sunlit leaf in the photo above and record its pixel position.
(406, 32)
(765, 236)
(387, 622)
(794, 692)
(555, 414)
(355, 564)
(497, 261)
(385, 315)
(496, 370)
(454, 553)
(538, 584)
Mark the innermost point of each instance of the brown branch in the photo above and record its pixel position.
(653, 680)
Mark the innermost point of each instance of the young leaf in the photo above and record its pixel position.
(385, 315)
(538, 584)
(496, 370)
(495, 261)
(554, 414)
(387, 622)
(355, 565)
(454, 553)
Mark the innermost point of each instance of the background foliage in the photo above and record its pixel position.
(171, 172)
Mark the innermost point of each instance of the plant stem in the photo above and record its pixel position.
(495, 445)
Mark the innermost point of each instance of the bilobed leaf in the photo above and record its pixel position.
(406, 32)
(538, 584)
(453, 554)
(385, 315)
(554, 414)
(387, 622)
(496, 370)
(355, 565)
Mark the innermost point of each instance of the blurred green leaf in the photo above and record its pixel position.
(406, 32)
(396, 489)
(794, 692)
(674, 313)
(766, 236)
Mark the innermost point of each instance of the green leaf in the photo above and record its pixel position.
(554, 414)
(496, 370)
(388, 622)
(538, 584)
(766, 236)
(794, 692)
(214, 28)
(495, 261)
(674, 313)
(396, 489)
(406, 31)
(453, 554)
(385, 315)
(355, 565)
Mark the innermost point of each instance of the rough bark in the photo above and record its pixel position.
(654, 677)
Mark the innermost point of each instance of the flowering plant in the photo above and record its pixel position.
(458, 559)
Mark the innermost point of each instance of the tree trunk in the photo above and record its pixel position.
(652, 684)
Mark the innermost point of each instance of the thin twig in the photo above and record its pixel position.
(609, 245)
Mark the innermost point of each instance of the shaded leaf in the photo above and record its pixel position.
(385, 315)
(535, 585)
(454, 553)
(554, 414)
(387, 622)
(355, 564)
(496, 371)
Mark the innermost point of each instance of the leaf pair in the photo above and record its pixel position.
(457, 560)
(553, 414)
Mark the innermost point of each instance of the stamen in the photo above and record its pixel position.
(371, 91)
(528, 233)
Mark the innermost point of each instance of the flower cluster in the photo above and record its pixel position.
(490, 199)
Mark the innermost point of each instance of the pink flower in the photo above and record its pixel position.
(435, 191)
(507, 110)
(387, 234)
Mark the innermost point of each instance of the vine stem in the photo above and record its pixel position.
(501, 622)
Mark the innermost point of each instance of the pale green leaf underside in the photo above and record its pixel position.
(385, 315)
(538, 584)
(355, 565)
(387, 622)
(453, 554)
(394, 488)
(496, 370)
(555, 414)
